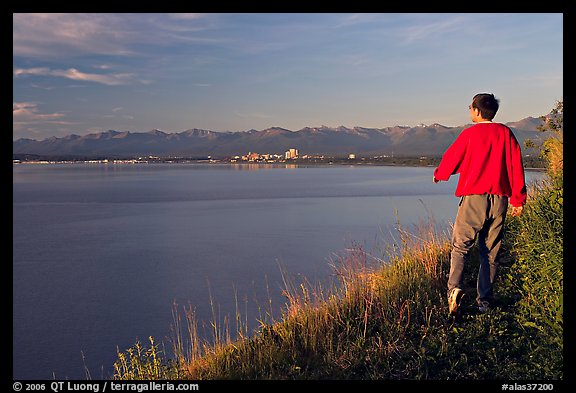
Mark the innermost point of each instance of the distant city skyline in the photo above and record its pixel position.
(88, 73)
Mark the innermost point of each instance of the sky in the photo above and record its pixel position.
(89, 73)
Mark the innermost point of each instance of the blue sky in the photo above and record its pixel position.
(86, 73)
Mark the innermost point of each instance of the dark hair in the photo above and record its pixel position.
(487, 104)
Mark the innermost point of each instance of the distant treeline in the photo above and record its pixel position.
(529, 161)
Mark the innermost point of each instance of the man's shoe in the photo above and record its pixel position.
(454, 300)
(483, 306)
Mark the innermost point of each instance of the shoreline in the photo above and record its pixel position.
(395, 162)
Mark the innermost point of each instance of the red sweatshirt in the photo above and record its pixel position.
(488, 158)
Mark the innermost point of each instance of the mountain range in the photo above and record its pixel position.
(431, 140)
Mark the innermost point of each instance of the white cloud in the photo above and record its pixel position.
(25, 112)
(52, 35)
(116, 111)
(41, 87)
(27, 120)
(186, 16)
(74, 74)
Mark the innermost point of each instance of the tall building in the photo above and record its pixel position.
(292, 153)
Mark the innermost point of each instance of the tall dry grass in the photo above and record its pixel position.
(325, 332)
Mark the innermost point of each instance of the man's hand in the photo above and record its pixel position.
(515, 211)
(434, 179)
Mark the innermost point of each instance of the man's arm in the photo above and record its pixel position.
(517, 177)
(451, 160)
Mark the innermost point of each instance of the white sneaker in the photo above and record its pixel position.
(454, 300)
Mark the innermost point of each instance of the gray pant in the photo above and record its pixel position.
(479, 216)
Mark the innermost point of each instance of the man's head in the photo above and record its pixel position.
(484, 107)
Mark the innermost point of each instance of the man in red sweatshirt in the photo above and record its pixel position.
(488, 158)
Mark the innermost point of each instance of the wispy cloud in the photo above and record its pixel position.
(37, 86)
(357, 19)
(74, 74)
(28, 111)
(25, 115)
(418, 31)
(187, 16)
(117, 112)
(52, 35)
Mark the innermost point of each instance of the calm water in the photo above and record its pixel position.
(101, 252)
